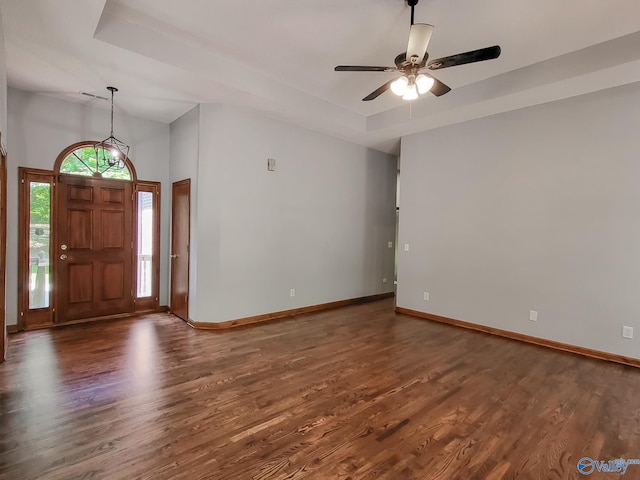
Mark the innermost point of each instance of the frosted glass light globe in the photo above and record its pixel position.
(424, 83)
(411, 93)
(399, 86)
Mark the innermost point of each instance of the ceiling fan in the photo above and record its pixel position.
(412, 63)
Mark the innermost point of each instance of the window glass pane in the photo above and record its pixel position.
(39, 233)
(145, 244)
(83, 162)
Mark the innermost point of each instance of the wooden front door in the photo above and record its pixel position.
(94, 248)
(180, 214)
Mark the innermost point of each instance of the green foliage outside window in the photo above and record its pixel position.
(83, 162)
(40, 203)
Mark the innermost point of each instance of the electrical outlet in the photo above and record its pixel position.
(406, 247)
(627, 332)
(292, 292)
(389, 244)
(426, 296)
(533, 315)
(384, 280)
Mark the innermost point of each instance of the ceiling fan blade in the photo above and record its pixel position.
(379, 91)
(419, 37)
(93, 95)
(438, 87)
(363, 68)
(481, 55)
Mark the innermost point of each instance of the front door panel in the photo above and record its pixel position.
(94, 251)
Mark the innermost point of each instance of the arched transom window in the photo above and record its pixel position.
(82, 161)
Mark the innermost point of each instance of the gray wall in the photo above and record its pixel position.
(184, 148)
(537, 209)
(40, 127)
(319, 224)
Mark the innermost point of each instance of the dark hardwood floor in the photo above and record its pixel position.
(354, 393)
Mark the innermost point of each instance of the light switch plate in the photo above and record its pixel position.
(533, 315)
(271, 164)
(627, 332)
(406, 247)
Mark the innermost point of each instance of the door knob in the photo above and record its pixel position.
(63, 257)
(63, 247)
(174, 256)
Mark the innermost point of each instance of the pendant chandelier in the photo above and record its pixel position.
(111, 153)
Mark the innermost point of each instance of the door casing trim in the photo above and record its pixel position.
(23, 251)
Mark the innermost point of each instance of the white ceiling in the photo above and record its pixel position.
(278, 56)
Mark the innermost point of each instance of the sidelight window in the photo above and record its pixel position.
(147, 251)
(39, 244)
(145, 244)
(36, 267)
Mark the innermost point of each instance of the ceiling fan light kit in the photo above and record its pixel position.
(405, 87)
(413, 82)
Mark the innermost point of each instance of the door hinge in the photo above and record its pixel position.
(132, 244)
